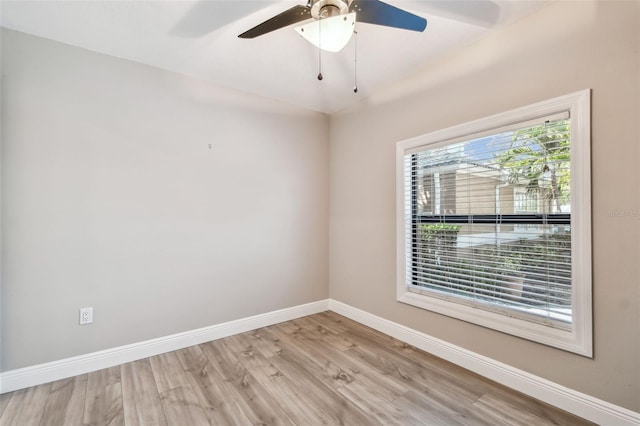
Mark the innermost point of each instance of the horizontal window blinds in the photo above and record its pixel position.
(490, 220)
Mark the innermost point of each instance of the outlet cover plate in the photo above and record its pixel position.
(86, 316)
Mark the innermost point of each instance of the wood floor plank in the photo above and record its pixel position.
(326, 333)
(425, 411)
(65, 403)
(181, 407)
(289, 327)
(504, 413)
(299, 406)
(180, 403)
(244, 351)
(264, 344)
(103, 404)
(447, 407)
(355, 329)
(168, 372)
(4, 401)
(254, 401)
(141, 401)
(327, 398)
(510, 407)
(312, 358)
(376, 406)
(420, 371)
(217, 403)
(320, 377)
(338, 367)
(361, 373)
(417, 376)
(393, 360)
(451, 394)
(296, 402)
(388, 372)
(331, 321)
(26, 406)
(366, 387)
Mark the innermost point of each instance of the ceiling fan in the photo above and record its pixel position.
(364, 11)
(334, 21)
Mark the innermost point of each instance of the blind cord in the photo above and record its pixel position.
(355, 64)
(319, 48)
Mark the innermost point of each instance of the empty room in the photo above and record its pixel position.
(356, 212)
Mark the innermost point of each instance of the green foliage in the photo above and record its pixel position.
(540, 153)
(428, 229)
(437, 238)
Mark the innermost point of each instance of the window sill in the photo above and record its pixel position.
(572, 340)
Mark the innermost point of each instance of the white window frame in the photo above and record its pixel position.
(579, 338)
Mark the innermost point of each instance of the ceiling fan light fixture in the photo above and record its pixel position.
(330, 34)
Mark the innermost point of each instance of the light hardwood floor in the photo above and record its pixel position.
(320, 369)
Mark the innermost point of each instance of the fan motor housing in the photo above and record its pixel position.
(328, 8)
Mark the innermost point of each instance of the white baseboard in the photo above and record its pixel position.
(69, 367)
(575, 402)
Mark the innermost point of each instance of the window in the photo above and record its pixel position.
(494, 222)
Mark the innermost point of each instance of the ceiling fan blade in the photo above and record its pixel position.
(288, 17)
(380, 13)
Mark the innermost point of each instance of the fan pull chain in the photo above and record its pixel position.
(319, 48)
(355, 64)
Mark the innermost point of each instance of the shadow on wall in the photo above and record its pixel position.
(490, 52)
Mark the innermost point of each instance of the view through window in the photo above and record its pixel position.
(491, 221)
(494, 222)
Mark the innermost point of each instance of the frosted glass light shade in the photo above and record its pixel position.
(331, 34)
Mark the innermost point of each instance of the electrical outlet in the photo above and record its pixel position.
(86, 316)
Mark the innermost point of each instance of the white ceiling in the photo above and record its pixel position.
(199, 38)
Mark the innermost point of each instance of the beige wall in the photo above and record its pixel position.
(568, 46)
(482, 196)
(111, 198)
